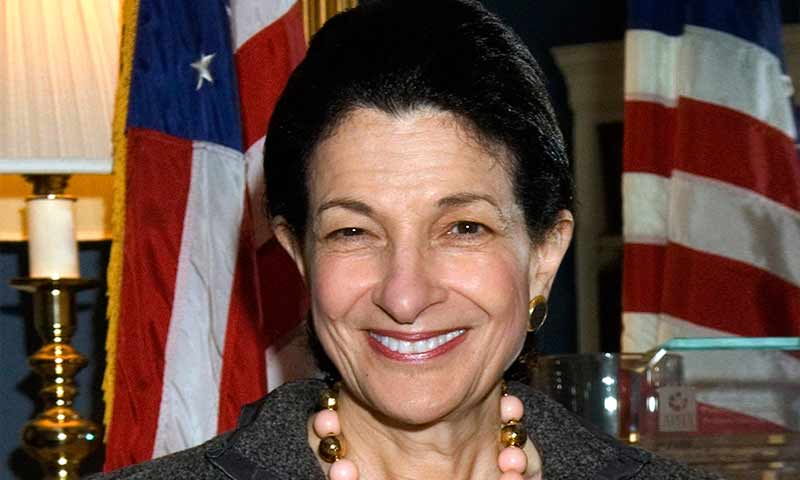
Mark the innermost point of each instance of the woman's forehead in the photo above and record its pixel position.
(423, 151)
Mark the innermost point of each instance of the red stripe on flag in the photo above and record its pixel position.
(724, 294)
(243, 365)
(642, 277)
(158, 177)
(649, 137)
(712, 420)
(712, 141)
(710, 291)
(264, 63)
(282, 289)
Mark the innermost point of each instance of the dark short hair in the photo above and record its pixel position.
(400, 55)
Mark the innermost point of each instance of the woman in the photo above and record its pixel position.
(416, 176)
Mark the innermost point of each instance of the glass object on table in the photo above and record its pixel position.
(736, 410)
(726, 404)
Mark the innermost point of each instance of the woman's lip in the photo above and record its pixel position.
(415, 357)
(412, 337)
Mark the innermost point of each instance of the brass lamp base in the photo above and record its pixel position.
(58, 437)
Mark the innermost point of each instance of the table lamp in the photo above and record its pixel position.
(58, 67)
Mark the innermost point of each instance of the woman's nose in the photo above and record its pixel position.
(409, 285)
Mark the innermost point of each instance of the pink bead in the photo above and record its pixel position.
(512, 459)
(511, 408)
(343, 469)
(326, 422)
(512, 476)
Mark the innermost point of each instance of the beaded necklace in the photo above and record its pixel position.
(512, 460)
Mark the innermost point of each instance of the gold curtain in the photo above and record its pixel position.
(317, 12)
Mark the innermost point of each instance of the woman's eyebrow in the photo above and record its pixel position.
(346, 203)
(450, 201)
(467, 198)
(463, 198)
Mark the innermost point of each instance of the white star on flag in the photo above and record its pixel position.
(202, 67)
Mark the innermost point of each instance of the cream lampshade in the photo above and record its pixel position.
(58, 67)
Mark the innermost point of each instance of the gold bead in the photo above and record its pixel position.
(513, 434)
(328, 400)
(331, 448)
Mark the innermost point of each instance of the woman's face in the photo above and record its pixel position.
(418, 262)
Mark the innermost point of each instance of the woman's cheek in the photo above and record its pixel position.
(338, 282)
(492, 280)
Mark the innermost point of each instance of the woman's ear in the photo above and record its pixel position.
(548, 255)
(289, 241)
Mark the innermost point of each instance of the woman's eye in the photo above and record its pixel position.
(467, 228)
(350, 239)
(347, 232)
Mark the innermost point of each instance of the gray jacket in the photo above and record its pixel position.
(270, 443)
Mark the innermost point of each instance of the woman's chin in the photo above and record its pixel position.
(415, 405)
(419, 413)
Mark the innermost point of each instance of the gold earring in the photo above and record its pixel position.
(537, 313)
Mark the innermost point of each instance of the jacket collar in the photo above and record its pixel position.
(230, 461)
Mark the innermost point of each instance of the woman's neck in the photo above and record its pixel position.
(463, 446)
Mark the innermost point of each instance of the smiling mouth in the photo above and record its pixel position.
(411, 348)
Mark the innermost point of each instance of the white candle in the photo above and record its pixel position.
(52, 248)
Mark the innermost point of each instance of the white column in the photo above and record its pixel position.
(594, 76)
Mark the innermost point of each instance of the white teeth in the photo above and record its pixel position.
(405, 347)
(421, 346)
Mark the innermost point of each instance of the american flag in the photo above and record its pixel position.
(711, 182)
(205, 307)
